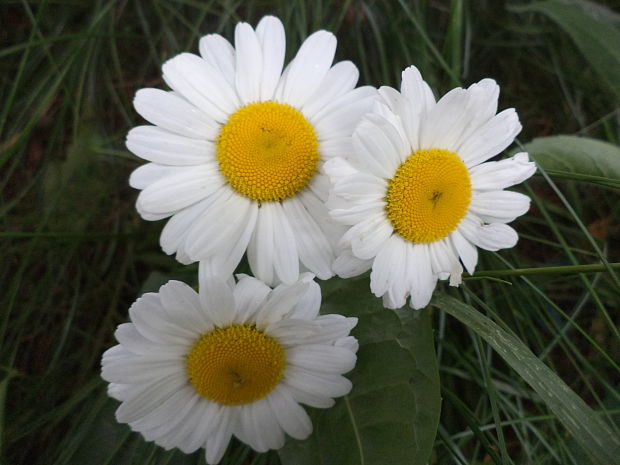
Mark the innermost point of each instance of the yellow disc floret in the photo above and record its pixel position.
(429, 195)
(235, 365)
(268, 151)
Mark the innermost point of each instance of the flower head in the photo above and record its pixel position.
(417, 193)
(193, 369)
(237, 151)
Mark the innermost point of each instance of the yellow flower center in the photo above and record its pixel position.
(429, 195)
(268, 151)
(235, 365)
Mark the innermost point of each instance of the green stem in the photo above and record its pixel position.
(573, 269)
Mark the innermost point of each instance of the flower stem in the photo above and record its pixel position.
(573, 269)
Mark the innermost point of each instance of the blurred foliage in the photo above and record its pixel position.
(75, 253)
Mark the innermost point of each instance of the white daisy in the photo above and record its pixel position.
(417, 193)
(238, 147)
(193, 369)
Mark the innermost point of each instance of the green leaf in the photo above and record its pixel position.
(588, 429)
(392, 413)
(579, 158)
(598, 40)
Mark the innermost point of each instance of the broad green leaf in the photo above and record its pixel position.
(391, 415)
(589, 431)
(578, 158)
(598, 40)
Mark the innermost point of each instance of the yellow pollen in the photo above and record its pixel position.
(268, 151)
(235, 365)
(429, 195)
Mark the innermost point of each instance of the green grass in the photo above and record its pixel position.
(75, 254)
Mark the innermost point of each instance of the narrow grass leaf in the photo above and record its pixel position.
(588, 430)
(597, 40)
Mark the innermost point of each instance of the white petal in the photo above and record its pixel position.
(444, 260)
(490, 138)
(340, 79)
(280, 303)
(145, 175)
(307, 307)
(151, 320)
(349, 343)
(217, 225)
(174, 192)
(343, 114)
(348, 266)
(249, 63)
(496, 175)
(358, 213)
(201, 84)
(226, 260)
(261, 246)
(315, 251)
(176, 229)
(416, 89)
(361, 187)
(331, 328)
(139, 370)
(267, 432)
(168, 415)
(218, 441)
(369, 236)
(394, 137)
(306, 72)
(130, 338)
(217, 299)
(309, 398)
(321, 358)
(382, 275)
(336, 147)
(369, 153)
(289, 332)
(339, 169)
(166, 148)
(118, 391)
(390, 97)
(328, 385)
(445, 122)
(270, 33)
(339, 105)
(194, 431)
(290, 415)
(319, 186)
(318, 210)
(133, 341)
(466, 250)
(286, 258)
(218, 52)
(250, 293)
(483, 97)
(422, 279)
(148, 399)
(499, 206)
(401, 275)
(175, 114)
(182, 304)
(491, 236)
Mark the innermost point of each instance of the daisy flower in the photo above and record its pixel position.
(418, 195)
(237, 151)
(192, 369)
